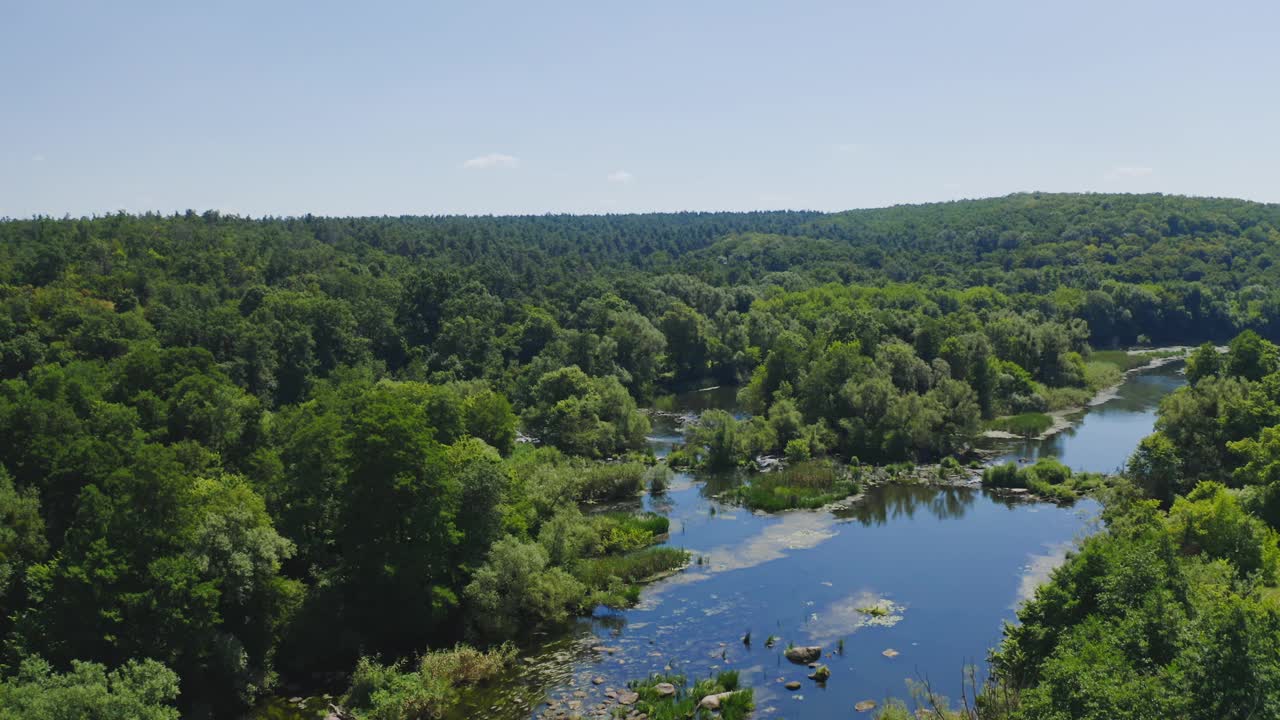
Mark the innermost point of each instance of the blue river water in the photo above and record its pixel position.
(946, 566)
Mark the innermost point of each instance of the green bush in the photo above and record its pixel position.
(387, 692)
(137, 690)
(657, 478)
(798, 450)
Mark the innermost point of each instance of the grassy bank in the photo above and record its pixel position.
(1030, 424)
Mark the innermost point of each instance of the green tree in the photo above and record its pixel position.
(137, 690)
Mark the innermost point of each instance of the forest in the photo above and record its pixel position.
(241, 453)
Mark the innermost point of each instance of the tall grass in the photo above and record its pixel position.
(684, 703)
(809, 484)
(630, 568)
(1029, 424)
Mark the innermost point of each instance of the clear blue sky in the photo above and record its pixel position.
(527, 107)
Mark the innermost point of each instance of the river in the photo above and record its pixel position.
(949, 564)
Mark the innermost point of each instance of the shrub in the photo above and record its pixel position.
(657, 478)
(387, 692)
(798, 450)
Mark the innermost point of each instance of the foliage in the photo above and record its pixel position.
(256, 449)
(685, 703)
(808, 484)
(1145, 621)
(388, 692)
(137, 690)
(1024, 425)
(1047, 478)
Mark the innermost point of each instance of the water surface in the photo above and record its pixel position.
(1110, 431)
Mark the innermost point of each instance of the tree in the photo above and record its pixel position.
(689, 340)
(583, 415)
(1250, 357)
(1156, 468)
(1204, 362)
(137, 690)
(515, 589)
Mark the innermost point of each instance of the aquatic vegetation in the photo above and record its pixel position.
(851, 614)
(810, 484)
(657, 478)
(1029, 424)
(630, 568)
(670, 697)
(1047, 478)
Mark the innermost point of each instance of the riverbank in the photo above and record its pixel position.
(1065, 418)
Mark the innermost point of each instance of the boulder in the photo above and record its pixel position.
(865, 706)
(628, 698)
(821, 673)
(664, 689)
(712, 702)
(793, 685)
(803, 654)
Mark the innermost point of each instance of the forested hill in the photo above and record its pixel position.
(244, 451)
(1084, 238)
(1171, 268)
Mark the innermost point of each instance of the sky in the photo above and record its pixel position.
(278, 108)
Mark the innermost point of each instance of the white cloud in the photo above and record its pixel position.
(620, 176)
(492, 160)
(1129, 171)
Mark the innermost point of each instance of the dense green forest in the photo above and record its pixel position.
(239, 452)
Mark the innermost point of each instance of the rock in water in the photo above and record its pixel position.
(890, 653)
(803, 654)
(865, 705)
(664, 689)
(793, 685)
(712, 702)
(628, 698)
(821, 673)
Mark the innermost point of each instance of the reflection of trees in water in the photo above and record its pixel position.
(715, 483)
(894, 501)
